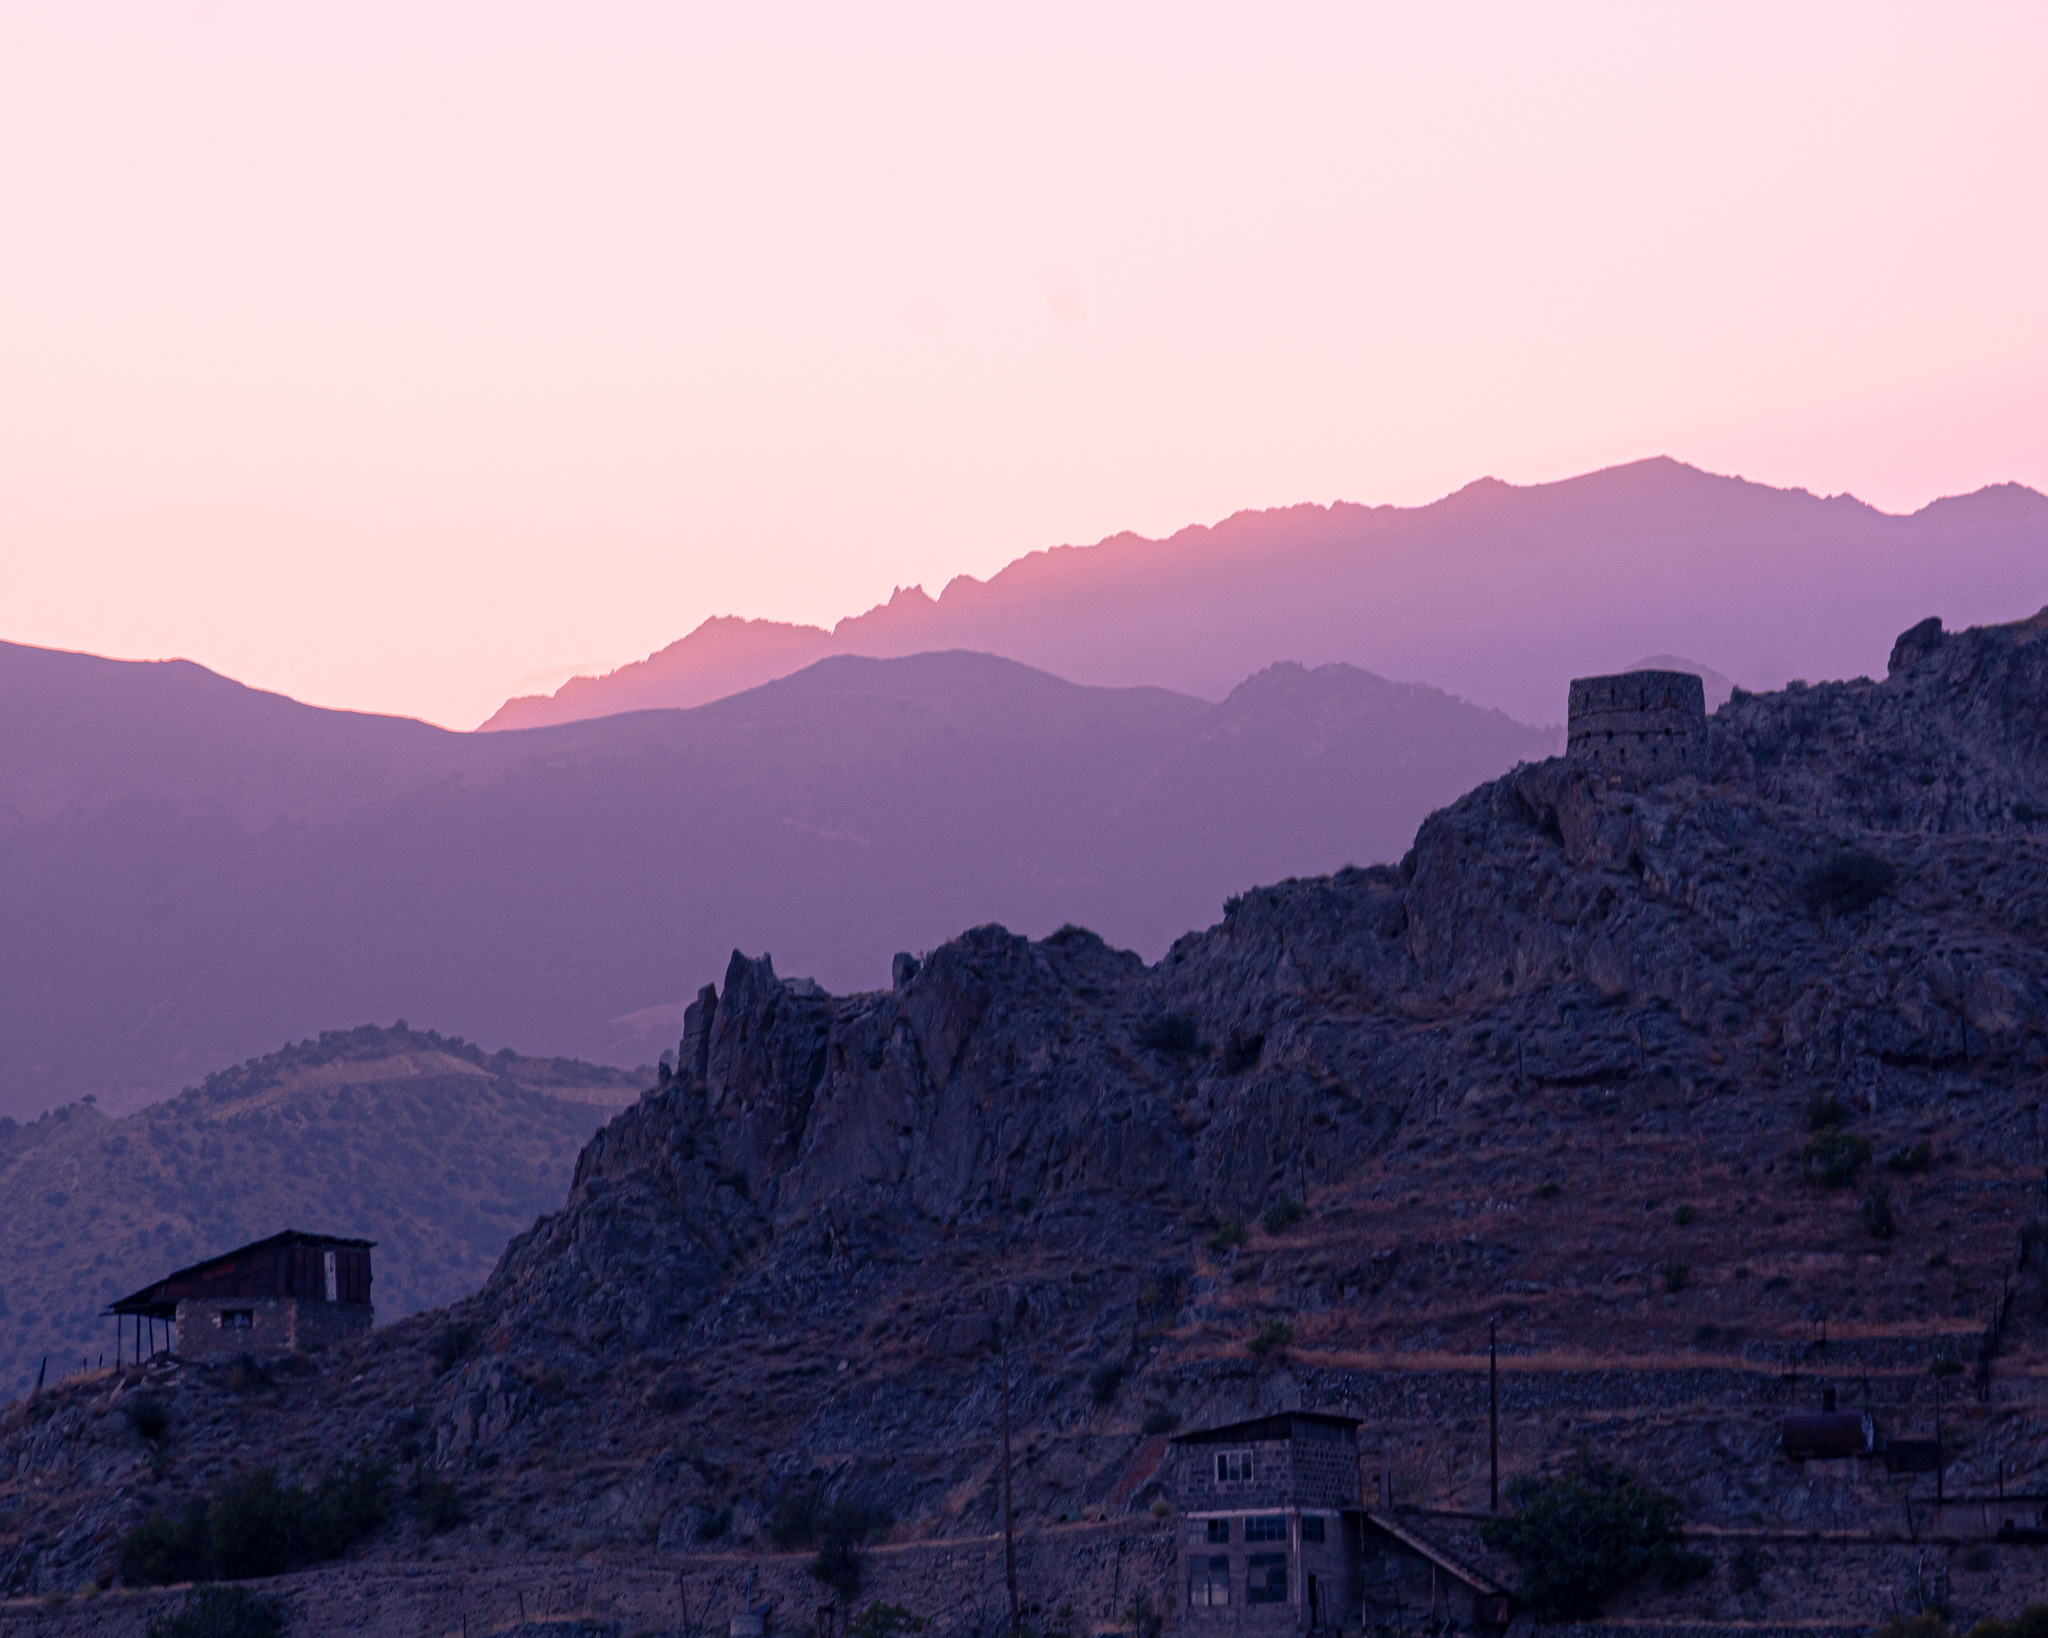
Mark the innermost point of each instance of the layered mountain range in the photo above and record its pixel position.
(1685, 1086)
(1499, 594)
(192, 871)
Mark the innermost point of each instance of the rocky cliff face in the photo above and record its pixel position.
(1561, 1069)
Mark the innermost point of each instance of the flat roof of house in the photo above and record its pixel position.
(150, 1299)
(1259, 1429)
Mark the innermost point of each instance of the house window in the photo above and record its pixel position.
(1219, 1530)
(1311, 1529)
(1233, 1467)
(236, 1319)
(1266, 1527)
(1265, 1579)
(1209, 1581)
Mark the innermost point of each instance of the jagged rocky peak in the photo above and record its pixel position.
(1268, 1054)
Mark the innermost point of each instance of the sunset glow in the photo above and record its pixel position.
(408, 358)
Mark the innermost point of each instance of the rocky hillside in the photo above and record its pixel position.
(426, 1145)
(1699, 1091)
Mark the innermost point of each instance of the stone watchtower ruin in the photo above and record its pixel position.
(1641, 724)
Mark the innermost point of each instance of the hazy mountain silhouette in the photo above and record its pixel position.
(192, 871)
(1497, 593)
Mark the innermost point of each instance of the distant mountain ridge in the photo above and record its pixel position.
(194, 870)
(1497, 593)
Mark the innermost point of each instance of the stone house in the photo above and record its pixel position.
(287, 1294)
(1275, 1537)
(1269, 1520)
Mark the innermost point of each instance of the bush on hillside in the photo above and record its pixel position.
(1282, 1215)
(1910, 1161)
(254, 1526)
(1229, 1236)
(1876, 1212)
(1173, 1034)
(1582, 1536)
(146, 1416)
(1824, 1109)
(885, 1621)
(1103, 1383)
(162, 1549)
(1832, 1159)
(1273, 1336)
(223, 1612)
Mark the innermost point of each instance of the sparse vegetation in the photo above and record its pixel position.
(146, 1416)
(837, 1531)
(1159, 1420)
(1876, 1212)
(223, 1612)
(255, 1526)
(1547, 1191)
(437, 1504)
(1910, 1160)
(1833, 1158)
(1582, 1536)
(1845, 883)
(1103, 1383)
(1270, 1338)
(1173, 1033)
(885, 1621)
(1676, 1277)
(451, 1346)
(1823, 1110)
(1746, 1570)
(1241, 1050)
(1229, 1236)
(1685, 1215)
(1160, 1297)
(2031, 1622)
(1282, 1215)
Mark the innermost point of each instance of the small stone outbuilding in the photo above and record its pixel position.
(288, 1294)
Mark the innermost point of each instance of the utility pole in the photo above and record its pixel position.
(1493, 1408)
(1009, 1535)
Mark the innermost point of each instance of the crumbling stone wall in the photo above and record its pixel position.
(1640, 724)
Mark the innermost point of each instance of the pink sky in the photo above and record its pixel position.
(405, 357)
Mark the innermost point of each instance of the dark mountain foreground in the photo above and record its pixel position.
(192, 871)
(1498, 593)
(427, 1146)
(1711, 1094)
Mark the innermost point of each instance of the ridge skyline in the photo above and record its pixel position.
(1604, 516)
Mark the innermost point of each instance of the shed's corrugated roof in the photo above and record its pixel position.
(146, 1301)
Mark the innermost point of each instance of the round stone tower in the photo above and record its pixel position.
(1642, 724)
